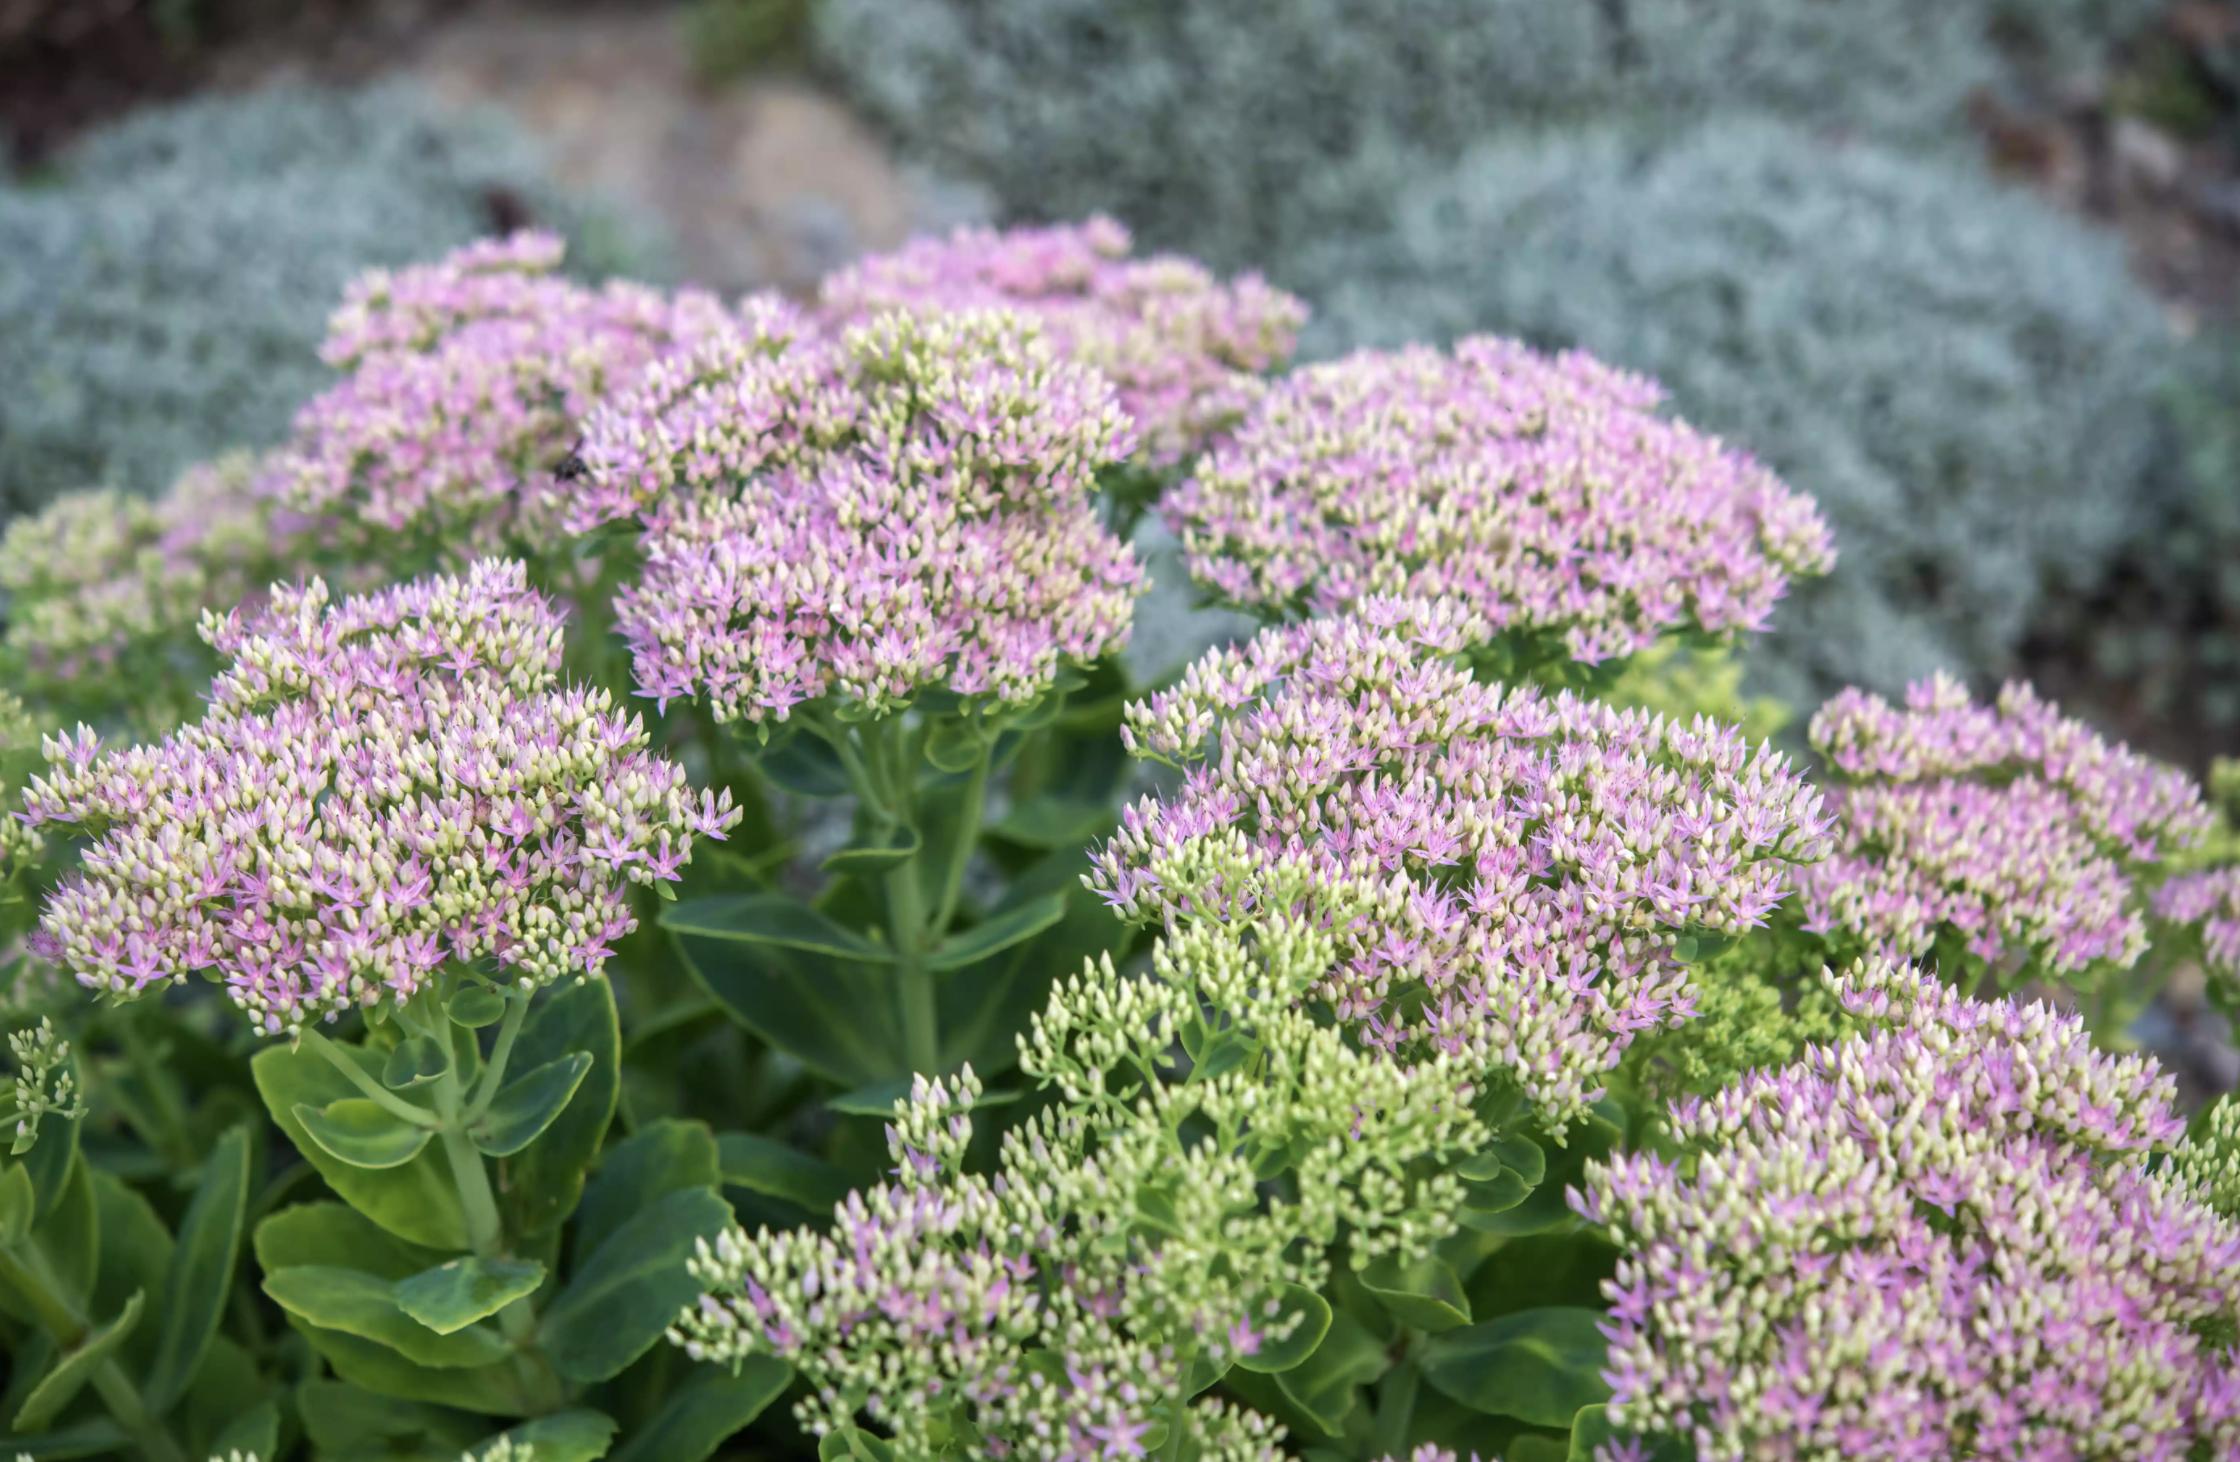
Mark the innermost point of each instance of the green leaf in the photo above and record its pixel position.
(201, 1273)
(805, 766)
(998, 933)
(76, 1367)
(770, 918)
(1326, 1385)
(1592, 1428)
(527, 1105)
(565, 1436)
(761, 1165)
(371, 1367)
(1522, 1156)
(254, 1433)
(852, 1444)
(456, 1293)
(538, 1188)
(1307, 1313)
(51, 1158)
(17, 1201)
(834, 1017)
(227, 1397)
(956, 744)
(1054, 820)
(620, 1300)
(98, 1438)
(700, 1415)
(416, 1061)
(1540, 1366)
(876, 851)
(362, 1133)
(416, 1201)
(325, 1232)
(1425, 1293)
(983, 1006)
(366, 1305)
(879, 1099)
(658, 1159)
(476, 1006)
(348, 1423)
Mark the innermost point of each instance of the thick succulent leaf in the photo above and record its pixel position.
(1540, 1366)
(416, 1200)
(201, 1273)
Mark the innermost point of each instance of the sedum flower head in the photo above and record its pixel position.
(100, 584)
(2209, 901)
(902, 508)
(1185, 351)
(1543, 491)
(378, 788)
(2209, 1158)
(45, 1084)
(466, 383)
(21, 845)
(1935, 1238)
(1148, 1223)
(2010, 830)
(1508, 874)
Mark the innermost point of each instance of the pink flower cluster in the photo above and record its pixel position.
(467, 379)
(1509, 873)
(2210, 901)
(2015, 828)
(1934, 1240)
(378, 789)
(1544, 491)
(99, 578)
(1186, 352)
(903, 507)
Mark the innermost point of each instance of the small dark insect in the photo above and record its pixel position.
(572, 468)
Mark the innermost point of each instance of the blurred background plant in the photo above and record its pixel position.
(169, 275)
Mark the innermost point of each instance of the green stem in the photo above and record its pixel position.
(1396, 1400)
(968, 833)
(493, 1075)
(375, 1092)
(28, 1276)
(478, 1205)
(1178, 1407)
(907, 919)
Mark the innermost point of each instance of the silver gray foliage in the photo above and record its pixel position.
(1232, 128)
(164, 295)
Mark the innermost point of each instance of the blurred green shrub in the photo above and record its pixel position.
(1964, 378)
(728, 38)
(1227, 128)
(163, 300)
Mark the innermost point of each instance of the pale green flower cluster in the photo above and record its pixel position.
(1214, 1146)
(2209, 1159)
(44, 1084)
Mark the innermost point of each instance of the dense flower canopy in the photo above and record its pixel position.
(1542, 490)
(467, 381)
(1933, 1239)
(1510, 872)
(1185, 351)
(902, 507)
(378, 788)
(2017, 829)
